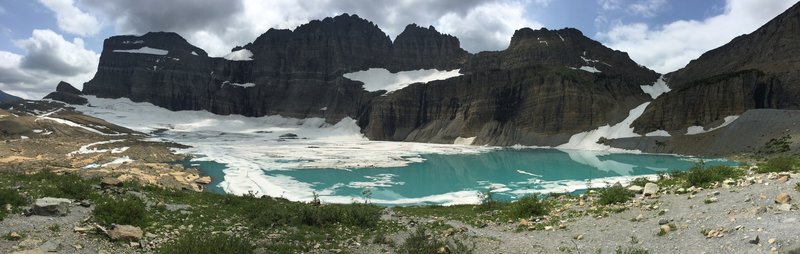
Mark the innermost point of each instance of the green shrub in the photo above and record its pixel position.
(779, 164)
(614, 195)
(197, 243)
(266, 212)
(10, 197)
(123, 211)
(529, 205)
(702, 176)
(62, 186)
(797, 187)
(640, 181)
(630, 250)
(487, 200)
(419, 243)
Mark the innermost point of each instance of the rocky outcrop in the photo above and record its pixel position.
(67, 93)
(752, 71)
(7, 98)
(293, 73)
(545, 87)
(533, 93)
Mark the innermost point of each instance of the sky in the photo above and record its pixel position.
(45, 41)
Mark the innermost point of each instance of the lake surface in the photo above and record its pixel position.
(458, 178)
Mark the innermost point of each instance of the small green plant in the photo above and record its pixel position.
(797, 187)
(779, 164)
(197, 243)
(630, 250)
(54, 228)
(9, 197)
(614, 195)
(661, 232)
(124, 211)
(640, 181)
(529, 205)
(487, 200)
(702, 176)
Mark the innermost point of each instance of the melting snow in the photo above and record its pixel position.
(245, 85)
(656, 89)
(194, 53)
(693, 130)
(144, 50)
(117, 161)
(87, 150)
(250, 145)
(376, 79)
(588, 140)
(464, 141)
(658, 133)
(240, 55)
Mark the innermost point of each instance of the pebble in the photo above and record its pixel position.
(783, 198)
(771, 240)
(754, 241)
(663, 222)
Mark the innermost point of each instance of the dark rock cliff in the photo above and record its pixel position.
(531, 93)
(293, 73)
(758, 70)
(67, 93)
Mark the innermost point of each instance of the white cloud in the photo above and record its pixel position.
(72, 20)
(49, 59)
(488, 26)
(221, 25)
(672, 46)
(646, 8)
(609, 4)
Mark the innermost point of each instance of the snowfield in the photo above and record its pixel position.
(376, 79)
(144, 50)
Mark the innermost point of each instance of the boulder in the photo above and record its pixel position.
(783, 198)
(650, 189)
(636, 189)
(203, 180)
(51, 206)
(125, 233)
(109, 182)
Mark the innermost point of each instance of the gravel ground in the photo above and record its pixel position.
(742, 212)
(38, 233)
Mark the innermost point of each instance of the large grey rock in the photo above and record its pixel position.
(650, 189)
(125, 233)
(49, 206)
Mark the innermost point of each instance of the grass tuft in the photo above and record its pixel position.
(614, 195)
(123, 211)
(779, 164)
(196, 243)
(529, 205)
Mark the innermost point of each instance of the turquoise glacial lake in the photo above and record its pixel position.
(454, 179)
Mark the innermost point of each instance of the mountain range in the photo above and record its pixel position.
(544, 88)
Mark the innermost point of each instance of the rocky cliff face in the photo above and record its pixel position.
(292, 73)
(752, 71)
(533, 93)
(545, 87)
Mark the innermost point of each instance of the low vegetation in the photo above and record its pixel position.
(701, 175)
(11, 198)
(124, 211)
(203, 243)
(419, 243)
(630, 250)
(779, 164)
(614, 195)
(529, 206)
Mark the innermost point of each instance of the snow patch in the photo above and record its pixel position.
(588, 140)
(657, 133)
(143, 50)
(245, 85)
(194, 53)
(240, 55)
(694, 130)
(87, 150)
(118, 161)
(464, 141)
(376, 79)
(657, 88)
